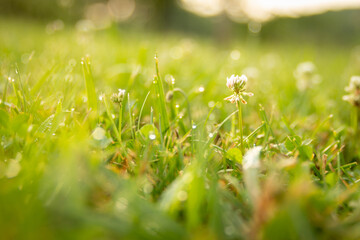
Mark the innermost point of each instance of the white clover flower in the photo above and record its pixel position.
(252, 73)
(305, 69)
(354, 91)
(118, 97)
(237, 85)
(252, 158)
(354, 84)
(306, 75)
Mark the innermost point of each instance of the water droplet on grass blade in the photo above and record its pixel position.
(13, 169)
(152, 136)
(235, 55)
(182, 195)
(229, 230)
(121, 204)
(148, 188)
(211, 104)
(98, 133)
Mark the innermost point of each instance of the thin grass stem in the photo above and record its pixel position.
(120, 120)
(240, 125)
(117, 134)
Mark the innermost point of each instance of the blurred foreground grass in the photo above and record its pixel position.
(177, 173)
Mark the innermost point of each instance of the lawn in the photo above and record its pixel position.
(80, 159)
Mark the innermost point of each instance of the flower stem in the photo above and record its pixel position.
(238, 103)
(120, 120)
(117, 134)
(354, 120)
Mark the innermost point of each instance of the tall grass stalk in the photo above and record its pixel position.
(89, 82)
(355, 119)
(107, 107)
(130, 118)
(21, 86)
(120, 120)
(160, 95)
(141, 110)
(240, 125)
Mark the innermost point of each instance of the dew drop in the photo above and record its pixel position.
(98, 133)
(194, 126)
(121, 204)
(152, 136)
(148, 188)
(182, 196)
(235, 55)
(211, 104)
(229, 230)
(13, 169)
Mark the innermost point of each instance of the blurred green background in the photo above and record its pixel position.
(169, 15)
(60, 180)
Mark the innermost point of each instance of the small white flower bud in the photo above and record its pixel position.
(354, 91)
(118, 97)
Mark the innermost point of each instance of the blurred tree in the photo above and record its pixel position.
(167, 15)
(162, 12)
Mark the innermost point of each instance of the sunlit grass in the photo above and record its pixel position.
(168, 161)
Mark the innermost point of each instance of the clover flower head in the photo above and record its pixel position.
(305, 70)
(354, 91)
(238, 85)
(118, 97)
(306, 75)
(354, 84)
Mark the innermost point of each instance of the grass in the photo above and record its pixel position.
(172, 168)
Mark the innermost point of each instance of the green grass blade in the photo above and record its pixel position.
(160, 96)
(89, 82)
(108, 112)
(141, 110)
